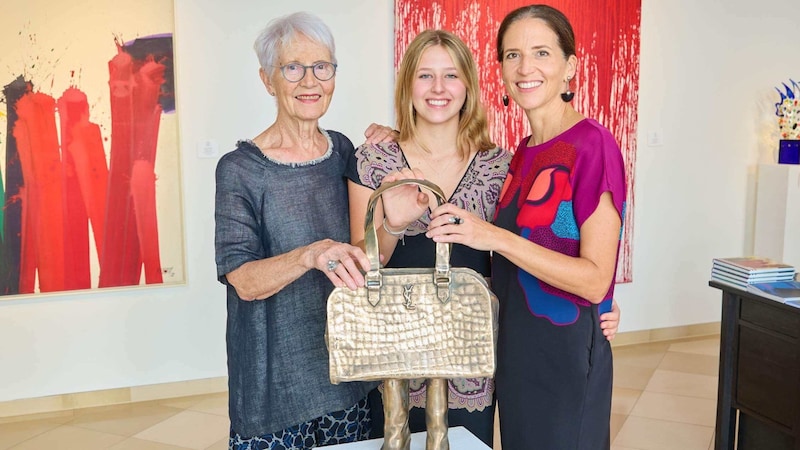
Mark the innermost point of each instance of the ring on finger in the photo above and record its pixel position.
(332, 265)
(455, 220)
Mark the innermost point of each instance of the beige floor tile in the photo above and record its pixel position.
(215, 404)
(14, 433)
(680, 383)
(617, 447)
(188, 429)
(124, 420)
(617, 420)
(691, 363)
(66, 437)
(707, 346)
(222, 444)
(623, 400)
(139, 444)
(650, 434)
(642, 355)
(632, 377)
(676, 408)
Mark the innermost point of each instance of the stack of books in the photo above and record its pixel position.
(746, 270)
(763, 276)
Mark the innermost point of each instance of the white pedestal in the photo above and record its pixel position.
(777, 229)
(459, 437)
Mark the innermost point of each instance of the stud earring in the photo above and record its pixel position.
(568, 95)
(505, 100)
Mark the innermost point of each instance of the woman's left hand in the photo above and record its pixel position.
(609, 321)
(449, 223)
(377, 134)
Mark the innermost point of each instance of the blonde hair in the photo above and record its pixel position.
(473, 128)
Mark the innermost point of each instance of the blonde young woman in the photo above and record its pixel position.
(443, 138)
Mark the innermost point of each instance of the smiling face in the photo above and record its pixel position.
(309, 98)
(534, 65)
(437, 92)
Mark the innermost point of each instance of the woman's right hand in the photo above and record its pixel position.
(403, 205)
(343, 264)
(376, 134)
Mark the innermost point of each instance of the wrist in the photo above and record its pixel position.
(394, 233)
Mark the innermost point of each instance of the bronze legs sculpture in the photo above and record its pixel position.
(395, 410)
(436, 415)
(396, 435)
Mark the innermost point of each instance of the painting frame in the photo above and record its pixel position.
(89, 148)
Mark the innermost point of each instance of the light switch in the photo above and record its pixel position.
(655, 138)
(207, 149)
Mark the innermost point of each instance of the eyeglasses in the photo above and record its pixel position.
(294, 72)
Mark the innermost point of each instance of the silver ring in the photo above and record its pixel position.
(332, 265)
(455, 220)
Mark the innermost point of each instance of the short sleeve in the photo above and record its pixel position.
(370, 163)
(236, 235)
(599, 168)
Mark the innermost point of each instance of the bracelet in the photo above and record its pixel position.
(398, 234)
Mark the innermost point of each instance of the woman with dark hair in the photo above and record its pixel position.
(555, 239)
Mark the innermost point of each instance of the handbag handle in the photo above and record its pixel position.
(441, 275)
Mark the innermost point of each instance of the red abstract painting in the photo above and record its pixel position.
(606, 84)
(89, 148)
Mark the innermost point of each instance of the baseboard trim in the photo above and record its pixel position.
(666, 334)
(64, 404)
(57, 405)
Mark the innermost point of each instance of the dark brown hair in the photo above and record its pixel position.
(554, 19)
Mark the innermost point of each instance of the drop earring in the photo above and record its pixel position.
(505, 100)
(568, 95)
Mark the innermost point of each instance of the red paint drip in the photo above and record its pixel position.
(43, 209)
(73, 109)
(143, 191)
(131, 219)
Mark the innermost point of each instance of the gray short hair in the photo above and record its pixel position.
(286, 29)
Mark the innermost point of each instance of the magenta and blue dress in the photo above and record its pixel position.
(554, 370)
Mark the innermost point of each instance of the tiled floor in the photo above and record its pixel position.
(664, 398)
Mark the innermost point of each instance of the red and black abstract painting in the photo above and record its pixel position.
(90, 174)
(607, 82)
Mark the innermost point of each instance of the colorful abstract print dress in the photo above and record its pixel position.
(554, 364)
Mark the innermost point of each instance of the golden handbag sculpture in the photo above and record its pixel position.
(411, 322)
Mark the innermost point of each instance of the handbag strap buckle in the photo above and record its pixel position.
(441, 278)
(373, 282)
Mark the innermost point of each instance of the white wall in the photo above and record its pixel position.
(707, 77)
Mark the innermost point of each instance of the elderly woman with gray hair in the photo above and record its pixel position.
(281, 239)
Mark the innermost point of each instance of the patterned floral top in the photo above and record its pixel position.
(477, 192)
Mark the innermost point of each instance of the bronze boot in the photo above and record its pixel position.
(396, 435)
(436, 415)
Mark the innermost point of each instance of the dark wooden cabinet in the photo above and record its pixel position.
(758, 397)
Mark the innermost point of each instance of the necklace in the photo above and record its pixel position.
(436, 166)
